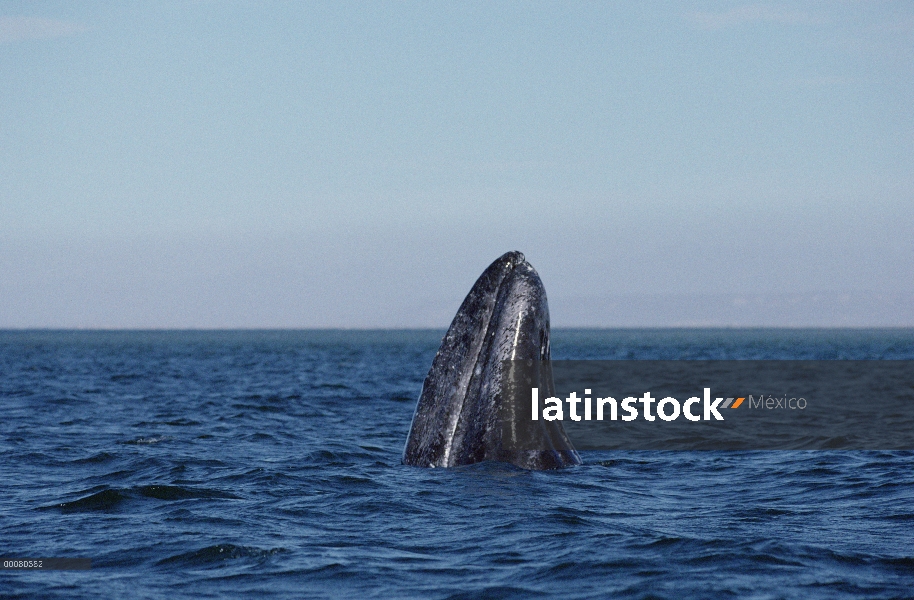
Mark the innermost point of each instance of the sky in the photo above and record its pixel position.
(222, 164)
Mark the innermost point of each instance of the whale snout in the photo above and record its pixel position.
(463, 416)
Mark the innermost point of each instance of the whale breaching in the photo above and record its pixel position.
(462, 416)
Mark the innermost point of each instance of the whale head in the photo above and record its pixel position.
(464, 415)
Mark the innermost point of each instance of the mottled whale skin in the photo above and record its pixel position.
(461, 418)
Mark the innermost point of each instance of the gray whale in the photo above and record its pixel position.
(462, 416)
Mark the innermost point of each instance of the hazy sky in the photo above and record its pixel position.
(257, 164)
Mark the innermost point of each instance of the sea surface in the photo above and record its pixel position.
(267, 464)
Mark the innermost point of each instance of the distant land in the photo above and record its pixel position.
(819, 309)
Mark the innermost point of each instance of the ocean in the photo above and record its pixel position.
(209, 464)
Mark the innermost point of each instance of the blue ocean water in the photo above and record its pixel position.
(267, 464)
